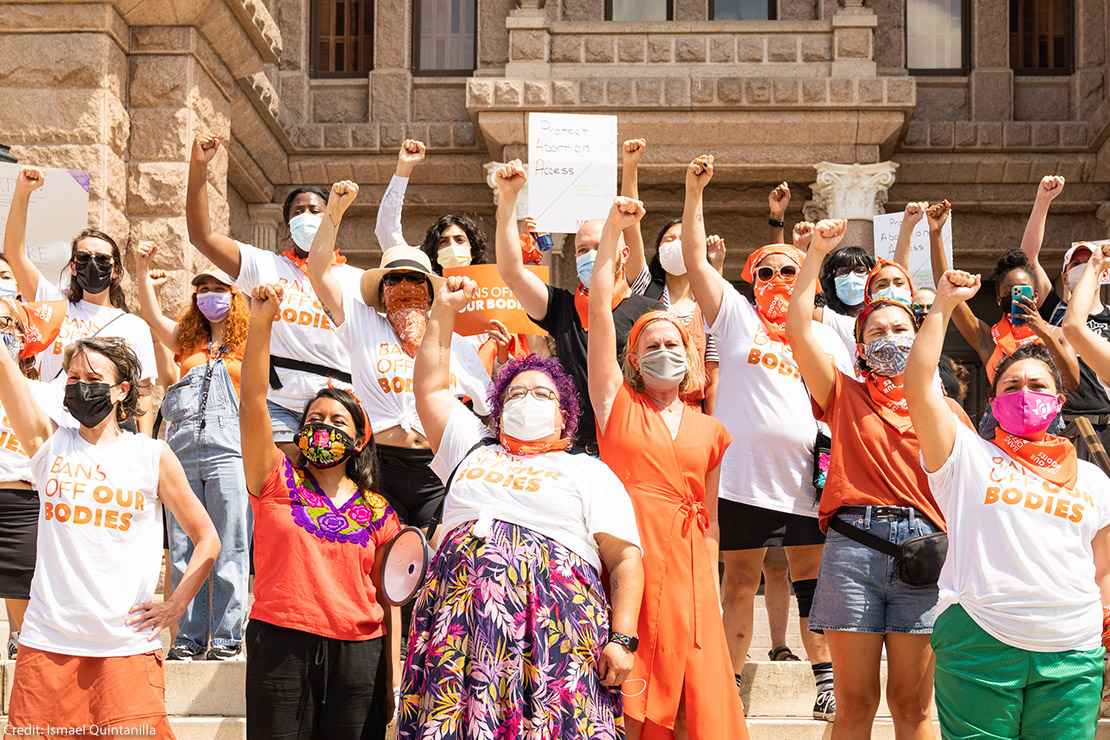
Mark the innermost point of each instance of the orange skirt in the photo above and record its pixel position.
(53, 691)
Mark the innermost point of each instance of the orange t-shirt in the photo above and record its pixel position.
(198, 355)
(872, 463)
(314, 563)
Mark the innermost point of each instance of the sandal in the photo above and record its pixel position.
(782, 654)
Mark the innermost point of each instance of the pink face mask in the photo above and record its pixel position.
(1025, 413)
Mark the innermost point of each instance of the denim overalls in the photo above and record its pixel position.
(206, 441)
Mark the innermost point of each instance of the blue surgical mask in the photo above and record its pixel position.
(894, 293)
(584, 265)
(303, 228)
(849, 288)
(8, 289)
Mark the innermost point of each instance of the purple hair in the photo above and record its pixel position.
(549, 366)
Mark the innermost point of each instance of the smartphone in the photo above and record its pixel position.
(543, 241)
(1017, 315)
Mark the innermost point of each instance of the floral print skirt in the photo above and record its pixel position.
(504, 644)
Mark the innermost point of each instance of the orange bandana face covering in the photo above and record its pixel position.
(1052, 458)
(889, 400)
(406, 309)
(538, 447)
(582, 299)
(772, 299)
(302, 262)
(1008, 339)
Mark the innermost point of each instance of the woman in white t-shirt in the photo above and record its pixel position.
(512, 633)
(95, 303)
(382, 354)
(90, 652)
(1023, 592)
(307, 352)
(766, 495)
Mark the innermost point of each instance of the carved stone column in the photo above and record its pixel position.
(857, 192)
(268, 226)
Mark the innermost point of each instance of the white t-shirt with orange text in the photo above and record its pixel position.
(83, 320)
(567, 498)
(303, 330)
(99, 544)
(382, 370)
(1020, 559)
(765, 407)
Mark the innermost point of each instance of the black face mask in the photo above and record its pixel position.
(93, 276)
(89, 403)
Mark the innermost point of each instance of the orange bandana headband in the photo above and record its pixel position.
(879, 265)
(873, 306)
(748, 273)
(649, 318)
(41, 323)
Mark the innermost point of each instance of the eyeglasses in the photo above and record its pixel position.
(101, 260)
(788, 272)
(849, 270)
(518, 392)
(396, 278)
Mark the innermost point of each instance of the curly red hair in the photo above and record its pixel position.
(194, 330)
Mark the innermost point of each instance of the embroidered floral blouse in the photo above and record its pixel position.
(314, 562)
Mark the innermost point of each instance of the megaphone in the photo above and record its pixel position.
(405, 566)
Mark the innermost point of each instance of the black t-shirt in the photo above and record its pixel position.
(1091, 397)
(562, 323)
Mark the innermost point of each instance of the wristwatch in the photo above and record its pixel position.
(777, 223)
(628, 642)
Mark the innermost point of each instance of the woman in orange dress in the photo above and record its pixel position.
(668, 455)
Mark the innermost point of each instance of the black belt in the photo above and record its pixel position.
(308, 367)
(1097, 420)
(877, 512)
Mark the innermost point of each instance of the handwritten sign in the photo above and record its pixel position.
(886, 228)
(58, 210)
(1103, 279)
(572, 169)
(495, 301)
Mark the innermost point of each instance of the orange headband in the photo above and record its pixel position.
(879, 265)
(795, 254)
(872, 307)
(365, 418)
(649, 318)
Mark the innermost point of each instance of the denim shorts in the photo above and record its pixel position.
(284, 424)
(857, 588)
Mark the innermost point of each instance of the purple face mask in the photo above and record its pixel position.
(214, 306)
(1025, 413)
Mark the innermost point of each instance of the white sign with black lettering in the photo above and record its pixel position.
(572, 169)
(886, 227)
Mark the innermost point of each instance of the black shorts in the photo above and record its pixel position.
(410, 486)
(19, 528)
(747, 527)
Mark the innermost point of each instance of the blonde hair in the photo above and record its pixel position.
(695, 367)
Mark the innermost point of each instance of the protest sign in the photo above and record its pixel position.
(58, 211)
(886, 227)
(1104, 278)
(494, 301)
(572, 169)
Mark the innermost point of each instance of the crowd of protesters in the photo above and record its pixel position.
(601, 512)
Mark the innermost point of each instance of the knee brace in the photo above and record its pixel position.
(803, 591)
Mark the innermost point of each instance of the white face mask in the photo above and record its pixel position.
(664, 364)
(1074, 275)
(303, 228)
(670, 257)
(529, 418)
(454, 255)
(8, 289)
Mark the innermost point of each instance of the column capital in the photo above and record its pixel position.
(267, 224)
(853, 191)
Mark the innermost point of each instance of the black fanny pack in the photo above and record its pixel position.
(917, 560)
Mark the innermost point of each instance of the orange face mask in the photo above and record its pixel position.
(406, 308)
(772, 299)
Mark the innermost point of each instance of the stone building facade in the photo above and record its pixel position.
(312, 91)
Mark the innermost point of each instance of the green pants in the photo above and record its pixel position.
(987, 689)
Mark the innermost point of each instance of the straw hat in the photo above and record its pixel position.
(396, 259)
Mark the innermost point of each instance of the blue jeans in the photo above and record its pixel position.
(857, 588)
(207, 444)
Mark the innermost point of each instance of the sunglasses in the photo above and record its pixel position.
(101, 260)
(396, 278)
(849, 270)
(766, 273)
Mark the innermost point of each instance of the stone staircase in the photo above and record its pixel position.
(206, 700)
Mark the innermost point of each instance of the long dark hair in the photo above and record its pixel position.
(850, 257)
(655, 267)
(76, 293)
(474, 235)
(362, 468)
